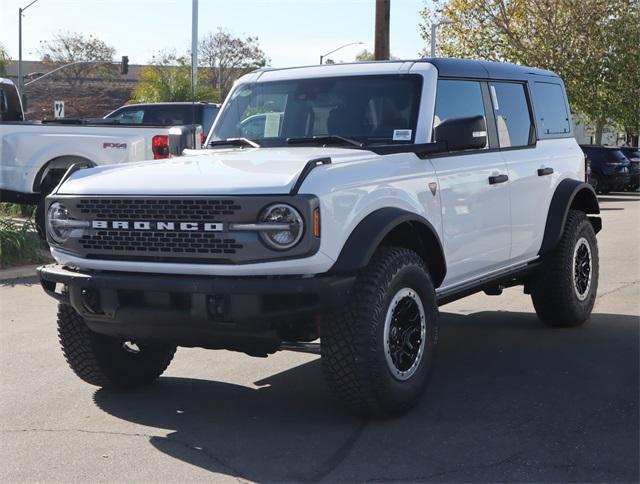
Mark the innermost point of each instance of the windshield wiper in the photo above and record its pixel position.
(233, 142)
(325, 140)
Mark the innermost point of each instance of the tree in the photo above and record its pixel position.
(69, 47)
(366, 55)
(587, 42)
(169, 80)
(4, 60)
(229, 57)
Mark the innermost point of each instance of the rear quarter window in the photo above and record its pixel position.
(551, 108)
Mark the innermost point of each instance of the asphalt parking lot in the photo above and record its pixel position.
(510, 400)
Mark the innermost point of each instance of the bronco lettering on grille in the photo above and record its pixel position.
(147, 225)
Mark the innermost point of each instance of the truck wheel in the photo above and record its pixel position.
(106, 361)
(564, 291)
(377, 352)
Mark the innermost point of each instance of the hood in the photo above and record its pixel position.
(211, 172)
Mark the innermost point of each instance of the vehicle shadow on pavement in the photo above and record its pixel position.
(510, 399)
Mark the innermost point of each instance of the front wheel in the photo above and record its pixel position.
(565, 288)
(378, 351)
(107, 361)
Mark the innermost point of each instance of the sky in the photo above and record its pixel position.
(291, 32)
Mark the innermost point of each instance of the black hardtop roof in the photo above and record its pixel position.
(599, 147)
(480, 69)
(448, 67)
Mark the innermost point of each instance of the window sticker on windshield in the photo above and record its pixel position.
(402, 135)
(272, 125)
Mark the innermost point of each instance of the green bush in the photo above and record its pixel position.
(16, 210)
(19, 244)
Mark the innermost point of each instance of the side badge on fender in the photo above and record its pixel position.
(433, 186)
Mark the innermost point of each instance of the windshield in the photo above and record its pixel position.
(378, 109)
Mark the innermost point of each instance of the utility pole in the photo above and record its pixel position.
(194, 48)
(383, 11)
(20, 73)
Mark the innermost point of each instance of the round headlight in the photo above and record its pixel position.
(61, 225)
(283, 215)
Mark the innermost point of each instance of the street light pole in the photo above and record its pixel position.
(194, 48)
(434, 26)
(336, 50)
(20, 70)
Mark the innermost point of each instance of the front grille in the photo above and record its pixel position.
(157, 209)
(162, 245)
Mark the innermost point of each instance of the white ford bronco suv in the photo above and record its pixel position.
(343, 202)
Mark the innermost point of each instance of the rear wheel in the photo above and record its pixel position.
(106, 361)
(378, 351)
(565, 289)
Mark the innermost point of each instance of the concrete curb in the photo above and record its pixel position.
(19, 272)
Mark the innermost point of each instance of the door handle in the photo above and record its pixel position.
(493, 180)
(545, 171)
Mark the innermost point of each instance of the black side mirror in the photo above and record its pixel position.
(462, 133)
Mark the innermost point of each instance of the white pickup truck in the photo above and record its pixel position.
(35, 155)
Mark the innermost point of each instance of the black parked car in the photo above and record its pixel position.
(633, 155)
(168, 114)
(609, 168)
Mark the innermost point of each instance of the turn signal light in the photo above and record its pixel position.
(316, 223)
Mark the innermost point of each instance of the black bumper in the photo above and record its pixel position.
(614, 182)
(243, 313)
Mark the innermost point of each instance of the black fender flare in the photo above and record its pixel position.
(568, 194)
(370, 232)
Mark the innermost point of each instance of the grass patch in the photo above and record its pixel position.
(19, 244)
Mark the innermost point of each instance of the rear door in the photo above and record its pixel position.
(475, 212)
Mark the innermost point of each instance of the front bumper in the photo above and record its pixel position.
(614, 182)
(246, 314)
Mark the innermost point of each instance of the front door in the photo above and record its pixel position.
(476, 219)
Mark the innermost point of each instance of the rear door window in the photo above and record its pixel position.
(513, 119)
(168, 115)
(551, 109)
(209, 116)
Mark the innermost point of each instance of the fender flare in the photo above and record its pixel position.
(568, 194)
(370, 232)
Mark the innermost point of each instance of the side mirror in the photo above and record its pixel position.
(187, 137)
(462, 133)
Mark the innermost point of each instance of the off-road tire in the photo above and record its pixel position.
(553, 292)
(352, 339)
(103, 360)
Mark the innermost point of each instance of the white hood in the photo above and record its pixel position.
(213, 172)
